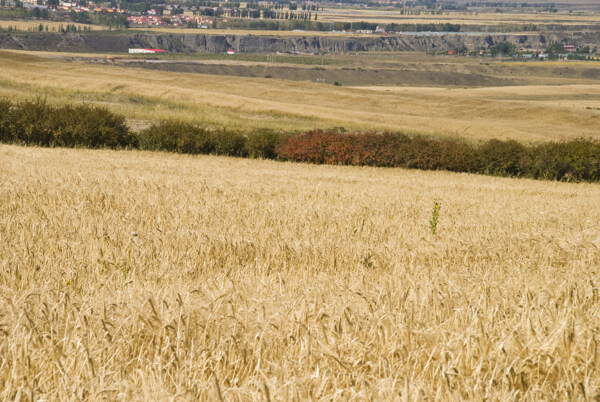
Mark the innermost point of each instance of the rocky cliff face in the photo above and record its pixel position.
(111, 42)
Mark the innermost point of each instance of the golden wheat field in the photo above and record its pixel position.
(148, 276)
(560, 103)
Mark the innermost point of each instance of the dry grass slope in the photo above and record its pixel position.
(524, 113)
(132, 275)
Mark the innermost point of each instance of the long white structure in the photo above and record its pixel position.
(147, 51)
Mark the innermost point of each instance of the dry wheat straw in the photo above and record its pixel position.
(247, 280)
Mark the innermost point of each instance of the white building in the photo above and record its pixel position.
(147, 51)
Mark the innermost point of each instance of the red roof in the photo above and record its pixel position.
(156, 50)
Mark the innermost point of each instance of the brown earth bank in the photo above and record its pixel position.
(121, 42)
(400, 72)
(341, 75)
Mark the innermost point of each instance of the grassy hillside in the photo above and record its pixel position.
(147, 275)
(562, 108)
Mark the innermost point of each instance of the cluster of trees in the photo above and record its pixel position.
(276, 25)
(254, 4)
(556, 48)
(311, 7)
(266, 13)
(278, 13)
(45, 28)
(137, 7)
(428, 4)
(580, 57)
(10, 28)
(26, 13)
(82, 18)
(281, 15)
(503, 49)
(70, 28)
(113, 21)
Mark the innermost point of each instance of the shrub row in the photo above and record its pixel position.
(182, 137)
(375, 149)
(37, 123)
(89, 126)
(575, 160)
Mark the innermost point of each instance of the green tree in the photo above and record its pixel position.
(503, 48)
(555, 47)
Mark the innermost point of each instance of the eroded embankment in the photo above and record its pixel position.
(121, 42)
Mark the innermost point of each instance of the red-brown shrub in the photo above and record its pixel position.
(378, 149)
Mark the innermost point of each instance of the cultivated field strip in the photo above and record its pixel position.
(146, 276)
(465, 18)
